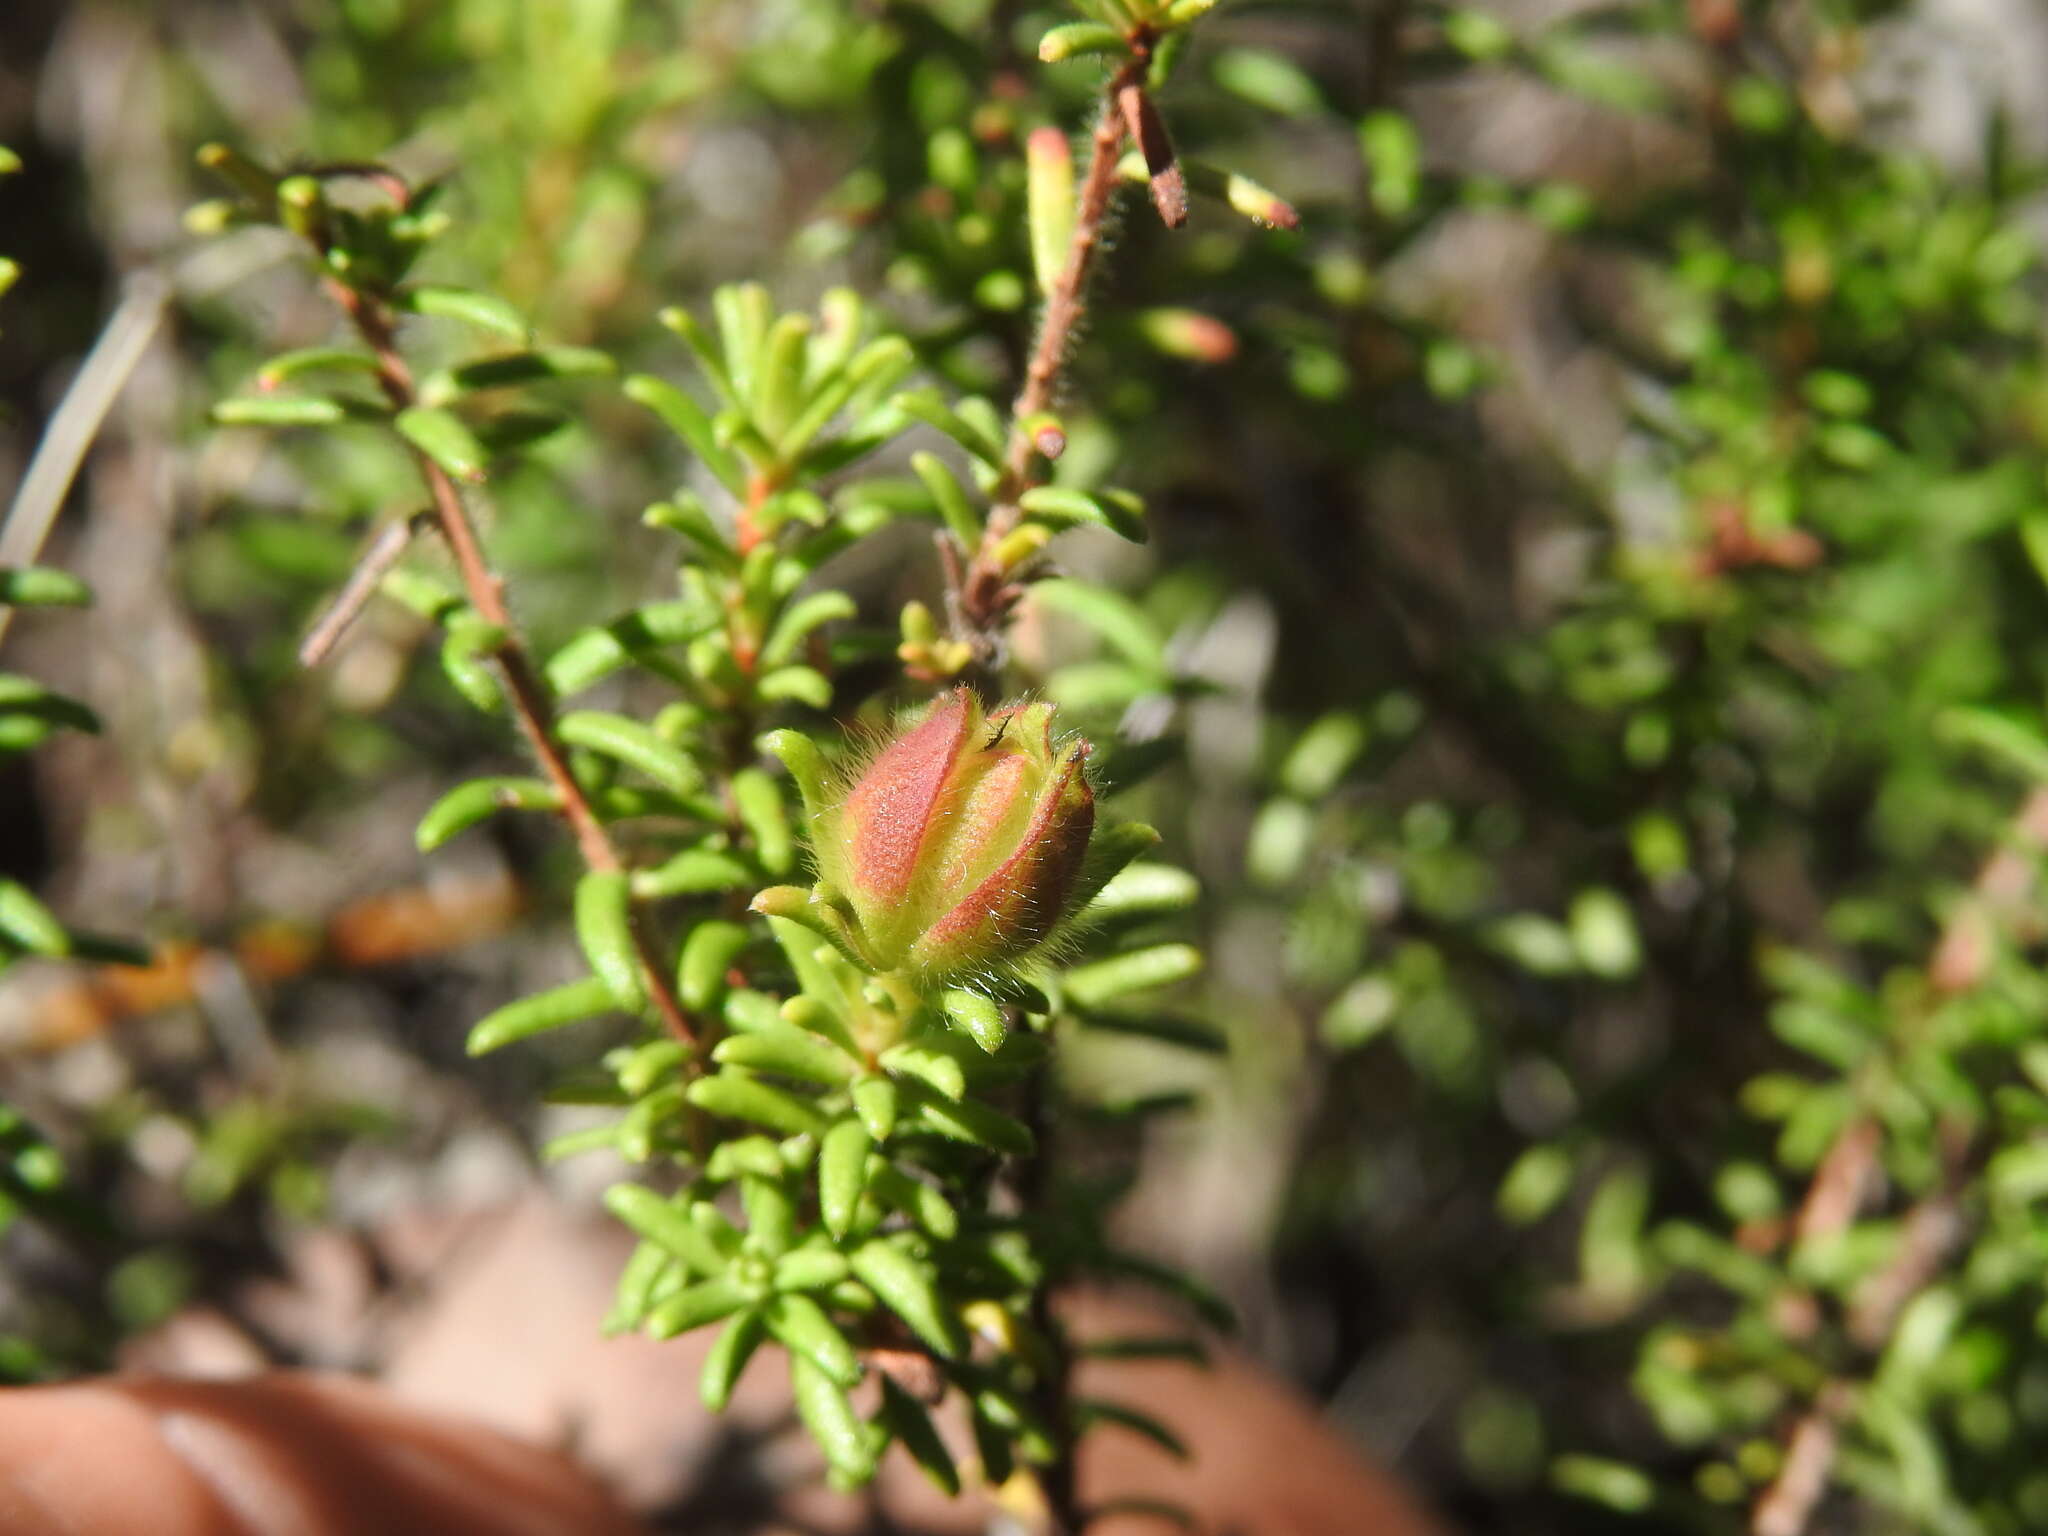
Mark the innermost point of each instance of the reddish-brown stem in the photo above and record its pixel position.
(982, 595)
(524, 691)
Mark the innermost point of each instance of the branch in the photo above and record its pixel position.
(1962, 956)
(524, 691)
(982, 595)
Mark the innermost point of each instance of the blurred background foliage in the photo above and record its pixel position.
(1595, 590)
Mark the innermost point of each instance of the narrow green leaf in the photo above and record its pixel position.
(728, 1357)
(906, 1287)
(1090, 1411)
(799, 619)
(693, 872)
(690, 422)
(443, 438)
(707, 955)
(467, 804)
(786, 1052)
(1121, 512)
(974, 1123)
(911, 1426)
(1145, 890)
(1141, 970)
(828, 1414)
(634, 744)
(875, 1101)
(954, 509)
(811, 1269)
(287, 366)
(40, 586)
(929, 407)
(543, 1011)
(28, 924)
(484, 311)
(666, 1224)
(1111, 615)
(757, 800)
(1076, 39)
(604, 927)
(979, 1016)
(696, 1305)
(644, 1271)
(916, 1199)
(511, 369)
(279, 411)
(842, 1173)
(733, 1097)
(779, 388)
(806, 766)
(803, 1328)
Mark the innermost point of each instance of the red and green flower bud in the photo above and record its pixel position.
(961, 845)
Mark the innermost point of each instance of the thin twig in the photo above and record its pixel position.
(77, 422)
(385, 551)
(982, 596)
(524, 691)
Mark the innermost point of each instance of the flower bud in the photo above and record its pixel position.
(960, 846)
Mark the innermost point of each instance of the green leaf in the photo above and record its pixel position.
(786, 1052)
(25, 698)
(905, 1285)
(1076, 39)
(541, 365)
(692, 872)
(954, 508)
(484, 311)
(666, 1224)
(919, 1201)
(1142, 970)
(911, 1427)
(1049, 199)
(875, 1100)
(803, 1328)
(1168, 1028)
(2015, 742)
(828, 1414)
(444, 439)
(734, 1097)
(28, 924)
(690, 422)
(929, 407)
(649, 1266)
(634, 744)
(604, 927)
(1144, 890)
(1114, 617)
(1089, 1412)
(543, 1011)
(696, 1305)
(842, 1173)
(932, 1068)
(974, 1123)
(728, 1357)
(279, 411)
(467, 804)
(779, 386)
(757, 801)
(800, 685)
(707, 955)
(799, 619)
(811, 1269)
(979, 1016)
(287, 366)
(39, 586)
(806, 766)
